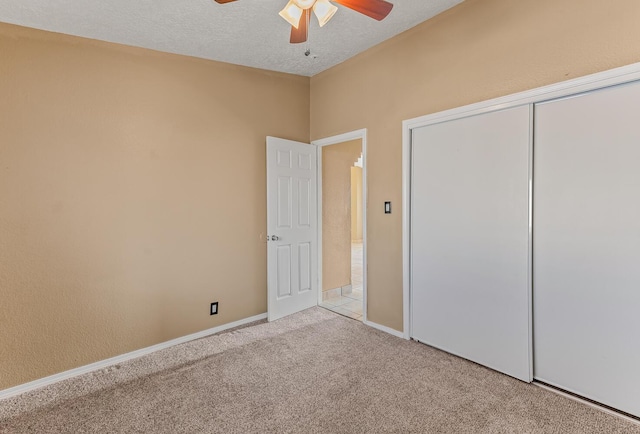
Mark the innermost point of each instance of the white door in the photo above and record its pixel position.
(292, 228)
(587, 246)
(470, 239)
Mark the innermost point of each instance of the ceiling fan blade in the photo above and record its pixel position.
(300, 34)
(376, 9)
(224, 1)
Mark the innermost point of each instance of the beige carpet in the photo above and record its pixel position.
(313, 372)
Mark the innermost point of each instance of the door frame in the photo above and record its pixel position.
(334, 140)
(587, 83)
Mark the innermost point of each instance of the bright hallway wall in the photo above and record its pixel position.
(337, 161)
(356, 204)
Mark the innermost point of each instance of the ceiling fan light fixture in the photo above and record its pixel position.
(292, 13)
(304, 4)
(324, 11)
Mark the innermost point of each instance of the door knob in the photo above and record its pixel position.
(274, 238)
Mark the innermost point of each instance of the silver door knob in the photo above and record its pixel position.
(274, 238)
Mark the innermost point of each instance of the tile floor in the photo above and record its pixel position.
(349, 305)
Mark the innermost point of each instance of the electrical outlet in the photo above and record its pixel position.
(214, 308)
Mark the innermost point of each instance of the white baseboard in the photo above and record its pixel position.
(335, 292)
(384, 329)
(27, 387)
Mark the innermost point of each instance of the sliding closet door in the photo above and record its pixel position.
(587, 245)
(470, 239)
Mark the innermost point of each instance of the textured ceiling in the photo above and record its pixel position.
(246, 32)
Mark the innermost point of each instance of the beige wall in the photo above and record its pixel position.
(336, 212)
(356, 203)
(479, 50)
(132, 194)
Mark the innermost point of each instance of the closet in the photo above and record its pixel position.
(586, 218)
(525, 240)
(469, 227)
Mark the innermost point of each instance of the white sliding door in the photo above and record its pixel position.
(470, 292)
(587, 245)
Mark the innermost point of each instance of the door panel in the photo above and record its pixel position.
(284, 158)
(304, 254)
(304, 203)
(470, 292)
(284, 202)
(291, 226)
(284, 271)
(587, 245)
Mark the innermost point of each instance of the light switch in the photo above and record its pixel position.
(387, 207)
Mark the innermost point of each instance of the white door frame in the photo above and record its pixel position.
(333, 140)
(621, 75)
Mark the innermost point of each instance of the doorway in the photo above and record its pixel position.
(342, 224)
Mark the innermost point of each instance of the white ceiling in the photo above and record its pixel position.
(245, 32)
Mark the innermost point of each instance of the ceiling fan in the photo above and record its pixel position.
(298, 13)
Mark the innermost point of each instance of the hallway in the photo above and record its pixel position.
(348, 303)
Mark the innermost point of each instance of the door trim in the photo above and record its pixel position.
(345, 137)
(600, 80)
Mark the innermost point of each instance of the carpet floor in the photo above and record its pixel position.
(312, 372)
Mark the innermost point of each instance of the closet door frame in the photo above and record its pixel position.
(601, 80)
